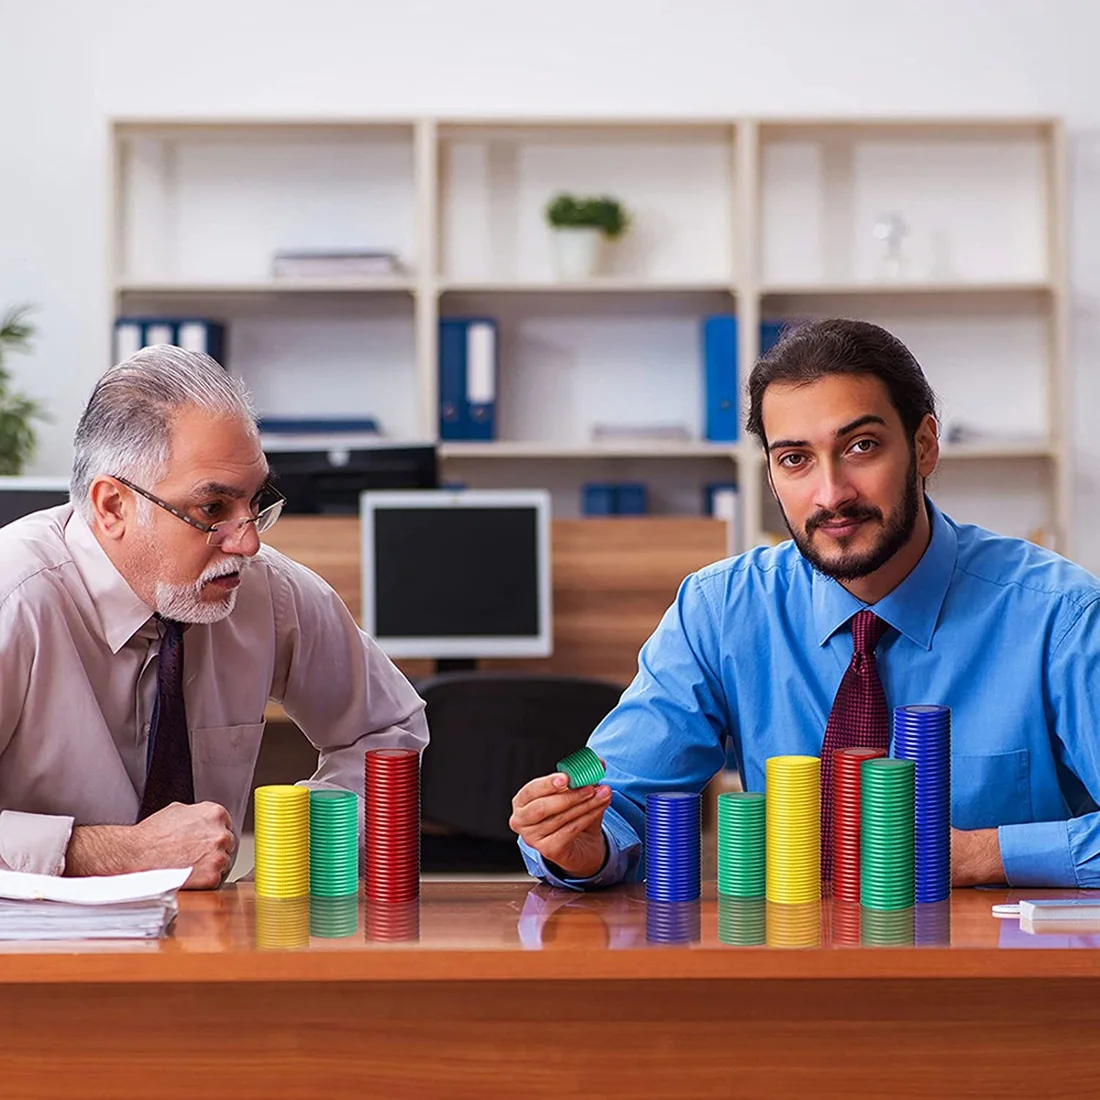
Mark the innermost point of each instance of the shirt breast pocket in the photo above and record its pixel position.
(223, 760)
(990, 790)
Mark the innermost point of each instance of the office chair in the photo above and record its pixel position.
(491, 732)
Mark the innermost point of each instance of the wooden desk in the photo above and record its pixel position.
(512, 990)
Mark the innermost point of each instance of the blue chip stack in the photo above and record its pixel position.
(932, 924)
(672, 846)
(672, 922)
(923, 734)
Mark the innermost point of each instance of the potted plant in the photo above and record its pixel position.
(580, 228)
(17, 437)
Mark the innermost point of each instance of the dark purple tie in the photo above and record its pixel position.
(168, 776)
(858, 719)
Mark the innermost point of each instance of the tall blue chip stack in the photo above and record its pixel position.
(672, 859)
(923, 734)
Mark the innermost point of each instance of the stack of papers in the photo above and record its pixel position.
(44, 907)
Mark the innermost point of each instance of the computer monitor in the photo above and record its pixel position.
(457, 574)
(328, 479)
(19, 496)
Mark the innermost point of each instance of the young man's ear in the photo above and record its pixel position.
(927, 445)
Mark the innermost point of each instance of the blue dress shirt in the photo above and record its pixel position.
(752, 652)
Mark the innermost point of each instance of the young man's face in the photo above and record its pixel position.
(844, 471)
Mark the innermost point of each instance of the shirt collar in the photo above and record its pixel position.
(913, 608)
(121, 613)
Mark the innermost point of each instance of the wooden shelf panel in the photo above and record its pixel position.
(548, 450)
(890, 289)
(358, 285)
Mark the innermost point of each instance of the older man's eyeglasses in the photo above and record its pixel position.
(263, 515)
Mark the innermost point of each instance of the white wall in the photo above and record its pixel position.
(66, 66)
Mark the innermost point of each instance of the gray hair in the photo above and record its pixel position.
(126, 428)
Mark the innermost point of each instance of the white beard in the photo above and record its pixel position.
(185, 603)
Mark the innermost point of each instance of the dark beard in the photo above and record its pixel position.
(894, 536)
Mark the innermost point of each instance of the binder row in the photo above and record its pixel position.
(469, 370)
(191, 333)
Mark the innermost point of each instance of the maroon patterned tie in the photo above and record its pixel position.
(168, 776)
(858, 719)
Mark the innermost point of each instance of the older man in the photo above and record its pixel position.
(143, 628)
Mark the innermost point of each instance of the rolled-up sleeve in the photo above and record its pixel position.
(36, 843)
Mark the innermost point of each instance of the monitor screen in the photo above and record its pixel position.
(19, 496)
(463, 574)
(328, 480)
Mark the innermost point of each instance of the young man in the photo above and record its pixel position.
(143, 629)
(876, 580)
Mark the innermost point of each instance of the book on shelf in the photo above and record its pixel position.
(320, 433)
(641, 433)
(335, 263)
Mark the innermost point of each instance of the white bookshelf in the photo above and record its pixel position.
(770, 219)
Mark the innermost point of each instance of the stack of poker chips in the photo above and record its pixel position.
(793, 829)
(583, 767)
(888, 928)
(793, 925)
(282, 841)
(922, 734)
(846, 923)
(672, 922)
(932, 924)
(393, 922)
(333, 844)
(393, 825)
(886, 877)
(282, 923)
(846, 819)
(741, 844)
(741, 921)
(333, 917)
(672, 857)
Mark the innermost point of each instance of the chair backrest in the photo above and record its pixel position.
(492, 732)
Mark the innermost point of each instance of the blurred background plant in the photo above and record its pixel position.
(17, 411)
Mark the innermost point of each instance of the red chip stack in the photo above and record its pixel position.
(846, 824)
(393, 922)
(393, 825)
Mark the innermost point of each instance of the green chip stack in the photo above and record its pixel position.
(333, 843)
(331, 918)
(741, 921)
(887, 854)
(583, 768)
(887, 928)
(742, 863)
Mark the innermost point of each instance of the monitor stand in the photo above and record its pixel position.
(456, 664)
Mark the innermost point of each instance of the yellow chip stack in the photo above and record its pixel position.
(281, 923)
(793, 828)
(793, 925)
(282, 841)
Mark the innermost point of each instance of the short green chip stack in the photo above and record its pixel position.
(583, 768)
(742, 864)
(887, 928)
(333, 843)
(331, 918)
(887, 854)
(741, 921)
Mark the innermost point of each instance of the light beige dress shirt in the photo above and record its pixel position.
(78, 681)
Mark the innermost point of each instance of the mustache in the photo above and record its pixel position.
(235, 564)
(853, 512)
